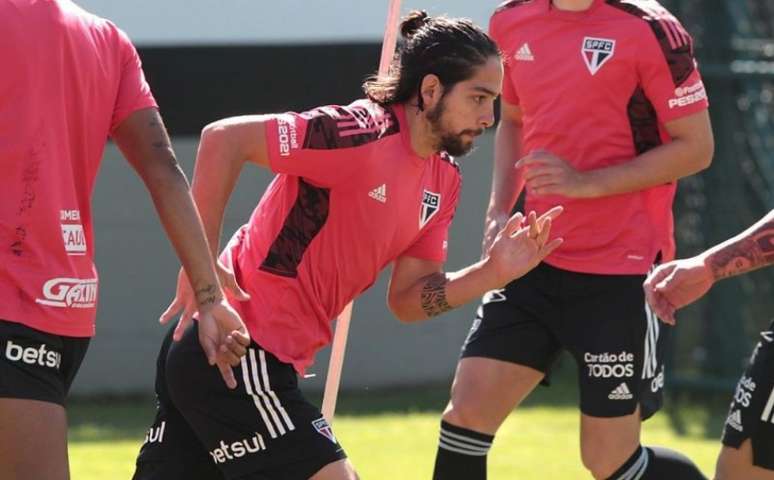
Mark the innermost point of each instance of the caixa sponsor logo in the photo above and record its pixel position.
(239, 449)
(609, 365)
(69, 293)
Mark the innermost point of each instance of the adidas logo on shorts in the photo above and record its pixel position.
(734, 420)
(621, 392)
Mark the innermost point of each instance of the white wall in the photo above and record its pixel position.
(195, 22)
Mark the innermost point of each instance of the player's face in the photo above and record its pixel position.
(467, 109)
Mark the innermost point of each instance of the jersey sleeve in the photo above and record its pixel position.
(669, 72)
(432, 243)
(508, 94)
(319, 145)
(134, 93)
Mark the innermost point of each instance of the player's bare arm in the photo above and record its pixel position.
(749, 251)
(689, 152)
(419, 289)
(507, 181)
(682, 282)
(143, 140)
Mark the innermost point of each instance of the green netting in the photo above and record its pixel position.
(735, 46)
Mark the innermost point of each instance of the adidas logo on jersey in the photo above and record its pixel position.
(379, 193)
(621, 392)
(734, 420)
(524, 54)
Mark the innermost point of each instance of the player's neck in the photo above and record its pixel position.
(572, 5)
(422, 139)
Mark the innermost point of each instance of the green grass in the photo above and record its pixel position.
(390, 433)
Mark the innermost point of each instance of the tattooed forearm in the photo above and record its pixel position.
(753, 249)
(434, 295)
(208, 295)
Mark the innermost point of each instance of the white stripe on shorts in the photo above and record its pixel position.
(260, 391)
(769, 406)
(256, 400)
(267, 386)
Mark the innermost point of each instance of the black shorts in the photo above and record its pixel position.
(36, 365)
(752, 410)
(602, 320)
(264, 429)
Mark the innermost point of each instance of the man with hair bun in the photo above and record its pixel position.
(358, 187)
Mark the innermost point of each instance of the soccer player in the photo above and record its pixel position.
(358, 187)
(70, 80)
(748, 439)
(603, 109)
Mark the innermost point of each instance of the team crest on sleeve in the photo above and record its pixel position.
(322, 427)
(596, 52)
(431, 203)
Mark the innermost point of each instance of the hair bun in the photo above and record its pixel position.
(415, 20)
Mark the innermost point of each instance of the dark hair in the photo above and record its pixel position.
(450, 48)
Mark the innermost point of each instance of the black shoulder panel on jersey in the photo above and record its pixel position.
(450, 160)
(510, 4)
(675, 42)
(350, 126)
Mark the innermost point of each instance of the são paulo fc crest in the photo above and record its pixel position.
(431, 203)
(322, 427)
(596, 52)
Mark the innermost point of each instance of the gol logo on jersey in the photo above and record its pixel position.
(596, 52)
(431, 203)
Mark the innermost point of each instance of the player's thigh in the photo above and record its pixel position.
(340, 470)
(737, 464)
(485, 391)
(33, 440)
(748, 436)
(264, 428)
(36, 371)
(171, 449)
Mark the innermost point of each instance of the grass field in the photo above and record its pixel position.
(392, 435)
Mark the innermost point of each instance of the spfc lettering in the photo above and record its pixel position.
(596, 52)
(431, 203)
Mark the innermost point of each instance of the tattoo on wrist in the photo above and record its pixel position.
(434, 295)
(208, 295)
(754, 251)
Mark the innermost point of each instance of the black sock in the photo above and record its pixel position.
(655, 463)
(461, 454)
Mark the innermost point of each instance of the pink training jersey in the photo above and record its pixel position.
(596, 88)
(69, 79)
(350, 197)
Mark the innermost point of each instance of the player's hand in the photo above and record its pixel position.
(521, 245)
(675, 285)
(494, 223)
(185, 302)
(547, 174)
(223, 337)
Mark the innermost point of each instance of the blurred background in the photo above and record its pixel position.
(205, 60)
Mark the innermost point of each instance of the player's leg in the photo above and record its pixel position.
(505, 356)
(339, 470)
(36, 371)
(619, 346)
(737, 464)
(264, 428)
(748, 437)
(171, 450)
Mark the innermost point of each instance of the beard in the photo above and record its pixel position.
(448, 141)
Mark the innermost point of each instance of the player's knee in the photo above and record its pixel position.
(466, 415)
(598, 461)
